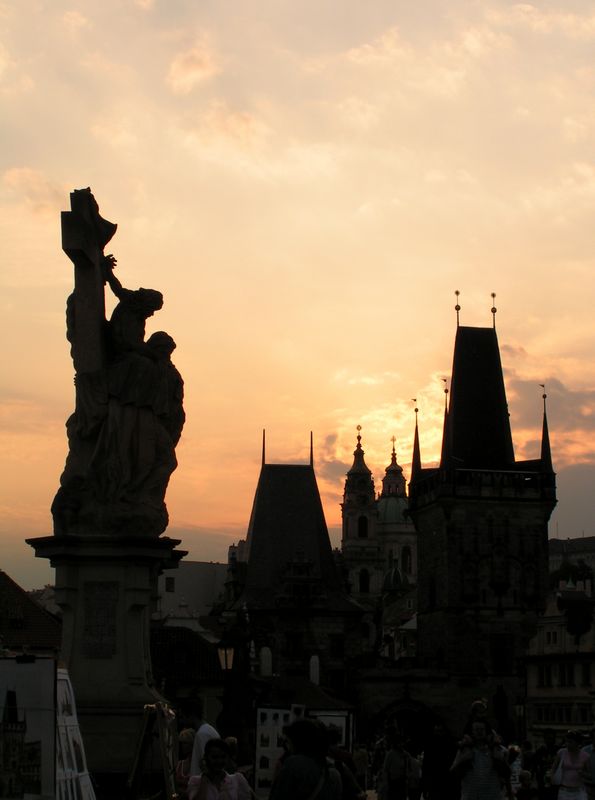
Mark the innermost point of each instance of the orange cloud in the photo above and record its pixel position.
(35, 190)
(192, 68)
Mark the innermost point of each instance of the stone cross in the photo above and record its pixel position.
(84, 236)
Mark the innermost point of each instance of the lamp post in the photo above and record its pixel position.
(225, 652)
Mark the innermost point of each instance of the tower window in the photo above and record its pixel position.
(406, 559)
(364, 581)
(362, 527)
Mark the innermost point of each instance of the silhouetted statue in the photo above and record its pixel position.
(129, 414)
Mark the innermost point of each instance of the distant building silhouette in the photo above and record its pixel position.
(379, 547)
(302, 621)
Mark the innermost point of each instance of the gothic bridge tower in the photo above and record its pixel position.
(482, 524)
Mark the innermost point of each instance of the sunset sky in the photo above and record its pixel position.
(308, 183)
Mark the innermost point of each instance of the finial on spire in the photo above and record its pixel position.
(457, 307)
(263, 445)
(494, 309)
(544, 397)
(311, 450)
(359, 436)
(393, 440)
(445, 393)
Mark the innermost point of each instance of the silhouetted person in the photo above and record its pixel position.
(305, 772)
(438, 782)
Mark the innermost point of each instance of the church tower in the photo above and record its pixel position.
(395, 529)
(360, 546)
(482, 524)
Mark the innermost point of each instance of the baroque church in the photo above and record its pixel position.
(468, 548)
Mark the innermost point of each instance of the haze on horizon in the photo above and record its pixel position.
(307, 184)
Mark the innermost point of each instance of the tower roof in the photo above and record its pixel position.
(287, 525)
(359, 466)
(393, 482)
(477, 430)
(546, 451)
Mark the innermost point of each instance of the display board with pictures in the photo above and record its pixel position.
(27, 727)
(72, 777)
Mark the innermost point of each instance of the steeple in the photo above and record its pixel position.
(546, 452)
(393, 483)
(445, 431)
(359, 495)
(477, 434)
(359, 465)
(416, 458)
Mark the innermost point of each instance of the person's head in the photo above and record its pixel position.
(479, 731)
(232, 743)
(186, 741)
(549, 736)
(334, 736)
(307, 737)
(573, 740)
(514, 752)
(216, 755)
(525, 778)
(394, 739)
(479, 709)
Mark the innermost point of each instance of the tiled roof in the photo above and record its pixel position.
(582, 544)
(24, 623)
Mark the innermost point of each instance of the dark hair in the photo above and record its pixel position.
(217, 744)
(309, 737)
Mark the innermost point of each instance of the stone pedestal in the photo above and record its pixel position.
(107, 589)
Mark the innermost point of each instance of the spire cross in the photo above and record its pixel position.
(544, 395)
(457, 307)
(416, 409)
(494, 309)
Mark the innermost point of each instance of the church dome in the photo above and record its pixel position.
(392, 509)
(394, 581)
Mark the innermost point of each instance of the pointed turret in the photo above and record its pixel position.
(393, 483)
(546, 452)
(416, 457)
(445, 431)
(359, 466)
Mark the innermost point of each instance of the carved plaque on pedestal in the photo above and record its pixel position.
(99, 633)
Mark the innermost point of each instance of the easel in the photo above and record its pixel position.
(161, 715)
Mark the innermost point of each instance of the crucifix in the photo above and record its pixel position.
(84, 236)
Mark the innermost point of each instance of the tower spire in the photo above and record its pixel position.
(416, 457)
(457, 306)
(445, 443)
(546, 451)
(494, 309)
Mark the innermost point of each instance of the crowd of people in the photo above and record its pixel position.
(314, 765)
